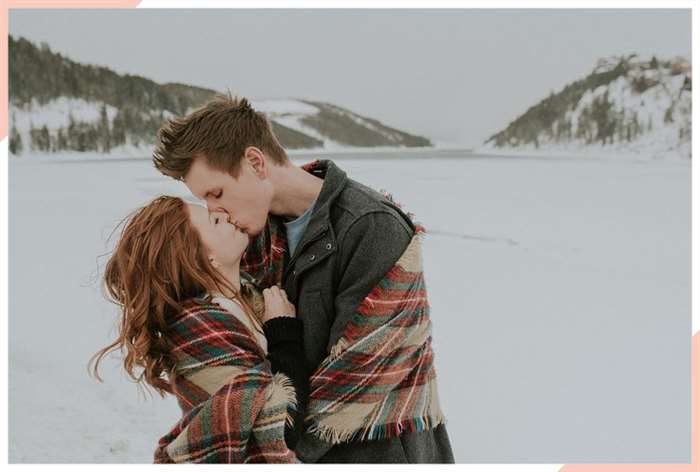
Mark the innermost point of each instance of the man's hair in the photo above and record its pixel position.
(220, 131)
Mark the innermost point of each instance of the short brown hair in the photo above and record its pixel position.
(220, 131)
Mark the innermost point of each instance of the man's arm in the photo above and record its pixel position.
(368, 250)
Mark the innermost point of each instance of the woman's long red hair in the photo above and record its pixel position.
(158, 264)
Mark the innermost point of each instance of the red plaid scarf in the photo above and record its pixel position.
(234, 408)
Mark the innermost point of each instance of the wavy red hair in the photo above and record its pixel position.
(158, 264)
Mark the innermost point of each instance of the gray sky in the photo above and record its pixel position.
(451, 75)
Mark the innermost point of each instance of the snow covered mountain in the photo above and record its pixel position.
(336, 127)
(626, 105)
(59, 105)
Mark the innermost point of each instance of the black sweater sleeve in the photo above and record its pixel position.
(285, 352)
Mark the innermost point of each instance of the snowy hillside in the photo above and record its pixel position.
(61, 106)
(626, 105)
(336, 127)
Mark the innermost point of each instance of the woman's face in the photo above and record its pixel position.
(224, 242)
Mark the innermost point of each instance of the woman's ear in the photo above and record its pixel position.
(215, 264)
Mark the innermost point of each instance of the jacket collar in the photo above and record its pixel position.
(334, 180)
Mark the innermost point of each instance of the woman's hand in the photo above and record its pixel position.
(276, 304)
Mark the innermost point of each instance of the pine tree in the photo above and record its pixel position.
(72, 134)
(61, 141)
(103, 130)
(118, 135)
(45, 139)
(15, 143)
(668, 116)
(34, 138)
(636, 128)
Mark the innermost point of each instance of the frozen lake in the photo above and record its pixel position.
(560, 294)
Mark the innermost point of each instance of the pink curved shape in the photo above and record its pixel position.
(694, 465)
(6, 5)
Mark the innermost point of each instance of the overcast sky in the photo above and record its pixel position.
(452, 75)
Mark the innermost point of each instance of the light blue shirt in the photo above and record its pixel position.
(296, 228)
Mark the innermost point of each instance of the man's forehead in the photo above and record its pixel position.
(201, 179)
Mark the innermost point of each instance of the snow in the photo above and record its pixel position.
(639, 151)
(56, 113)
(276, 107)
(144, 152)
(289, 113)
(125, 151)
(559, 290)
(294, 122)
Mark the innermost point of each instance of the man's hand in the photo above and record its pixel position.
(277, 304)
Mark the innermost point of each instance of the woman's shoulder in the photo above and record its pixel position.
(206, 314)
(207, 334)
(200, 306)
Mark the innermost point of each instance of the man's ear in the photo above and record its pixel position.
(257, 160)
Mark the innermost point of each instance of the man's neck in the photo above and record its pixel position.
(295, 191)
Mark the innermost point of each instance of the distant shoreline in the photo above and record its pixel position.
(378, 153)
(339, 153)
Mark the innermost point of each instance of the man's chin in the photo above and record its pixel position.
(253, 233)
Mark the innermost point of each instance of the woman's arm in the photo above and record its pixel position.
(234, 408)
(286, 355)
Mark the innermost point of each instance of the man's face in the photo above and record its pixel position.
(245, 199)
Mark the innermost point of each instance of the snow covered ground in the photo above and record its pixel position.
(560, 294)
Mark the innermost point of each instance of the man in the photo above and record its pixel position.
(333, 245)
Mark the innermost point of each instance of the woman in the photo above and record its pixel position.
(199, 329)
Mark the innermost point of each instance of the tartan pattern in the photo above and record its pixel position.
(234, 408)
(379, 378)
(264, 256)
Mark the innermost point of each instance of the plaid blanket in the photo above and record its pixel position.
(379, 378)
(234, 408)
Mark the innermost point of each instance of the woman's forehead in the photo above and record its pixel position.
(198, 212)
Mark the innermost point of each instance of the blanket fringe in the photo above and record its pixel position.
(287, 388)
(378, 431)
(411, 260)
(337, 349)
